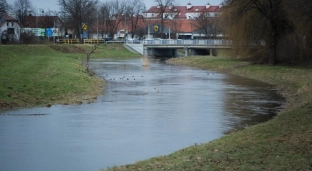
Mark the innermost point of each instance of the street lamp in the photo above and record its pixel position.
(38, 33)
(97, 25)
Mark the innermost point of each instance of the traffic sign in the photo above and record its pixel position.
(84, 26)
(49, 32)
(85, 34)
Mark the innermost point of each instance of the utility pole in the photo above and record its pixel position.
(148, 31)
(169, 33)
(53, 30)
(97, 25)
(38, 32)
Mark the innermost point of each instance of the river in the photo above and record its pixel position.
(147, 109)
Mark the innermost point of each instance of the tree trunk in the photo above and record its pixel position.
(273, 21)
(272, 57)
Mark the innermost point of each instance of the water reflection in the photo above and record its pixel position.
(146, 111)
(247, 102)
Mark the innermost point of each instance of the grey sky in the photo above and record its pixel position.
(53, 4)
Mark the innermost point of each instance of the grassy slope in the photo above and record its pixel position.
(283, 143)
(49, 74)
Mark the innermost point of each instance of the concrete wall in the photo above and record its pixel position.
(137, 47)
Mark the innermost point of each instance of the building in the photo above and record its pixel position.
(185, 21)
(9, 29)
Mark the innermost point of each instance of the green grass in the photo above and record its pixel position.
(283, 143)
(112, 51)
(36, 75)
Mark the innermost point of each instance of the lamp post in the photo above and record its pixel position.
(97, 25)
(126, 11)
(53, 30)
(148, 31)
(169, 33)
(38, 12)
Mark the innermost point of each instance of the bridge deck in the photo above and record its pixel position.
(146, 47)
(178, 43)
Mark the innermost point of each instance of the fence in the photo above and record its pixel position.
(87, 41)
(93, 41)
(68, 41)
(181, 42)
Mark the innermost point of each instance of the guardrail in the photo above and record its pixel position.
(181, 42)
(93, 41)
(88, 41)
(115, 41)
(68, 41)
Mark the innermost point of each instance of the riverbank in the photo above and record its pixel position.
(46, 74)
(283, 143)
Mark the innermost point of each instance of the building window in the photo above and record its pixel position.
(10, 30)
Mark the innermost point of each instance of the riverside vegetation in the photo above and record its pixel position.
(45, 75)
(283, 143)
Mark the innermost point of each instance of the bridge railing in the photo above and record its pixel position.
(180, 42)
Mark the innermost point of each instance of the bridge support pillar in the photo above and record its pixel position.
(145, 51)
(186, 51)
(214, 52)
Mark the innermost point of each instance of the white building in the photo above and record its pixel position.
(9, 29)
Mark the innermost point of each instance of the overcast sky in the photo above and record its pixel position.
(53, 4)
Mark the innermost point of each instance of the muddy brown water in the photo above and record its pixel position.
(149, 109)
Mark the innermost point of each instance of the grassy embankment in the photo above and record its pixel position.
(283, 143)
(44, 75)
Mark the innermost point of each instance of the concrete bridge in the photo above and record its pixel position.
(168, 47)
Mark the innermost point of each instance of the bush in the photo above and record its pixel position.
(28, 38)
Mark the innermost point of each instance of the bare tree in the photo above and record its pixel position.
(3, 6)
(103, 18)
(77, 12)
(176, 26)
(23, 8)
(135, 9)
(89, 57)
(111, 13)
(164, 5)
(206, 24)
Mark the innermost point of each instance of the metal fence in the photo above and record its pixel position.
(181, 42)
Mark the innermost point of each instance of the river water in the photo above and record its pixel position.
(148, 109)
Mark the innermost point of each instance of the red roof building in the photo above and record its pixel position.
(184, 20)
(182, 12)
